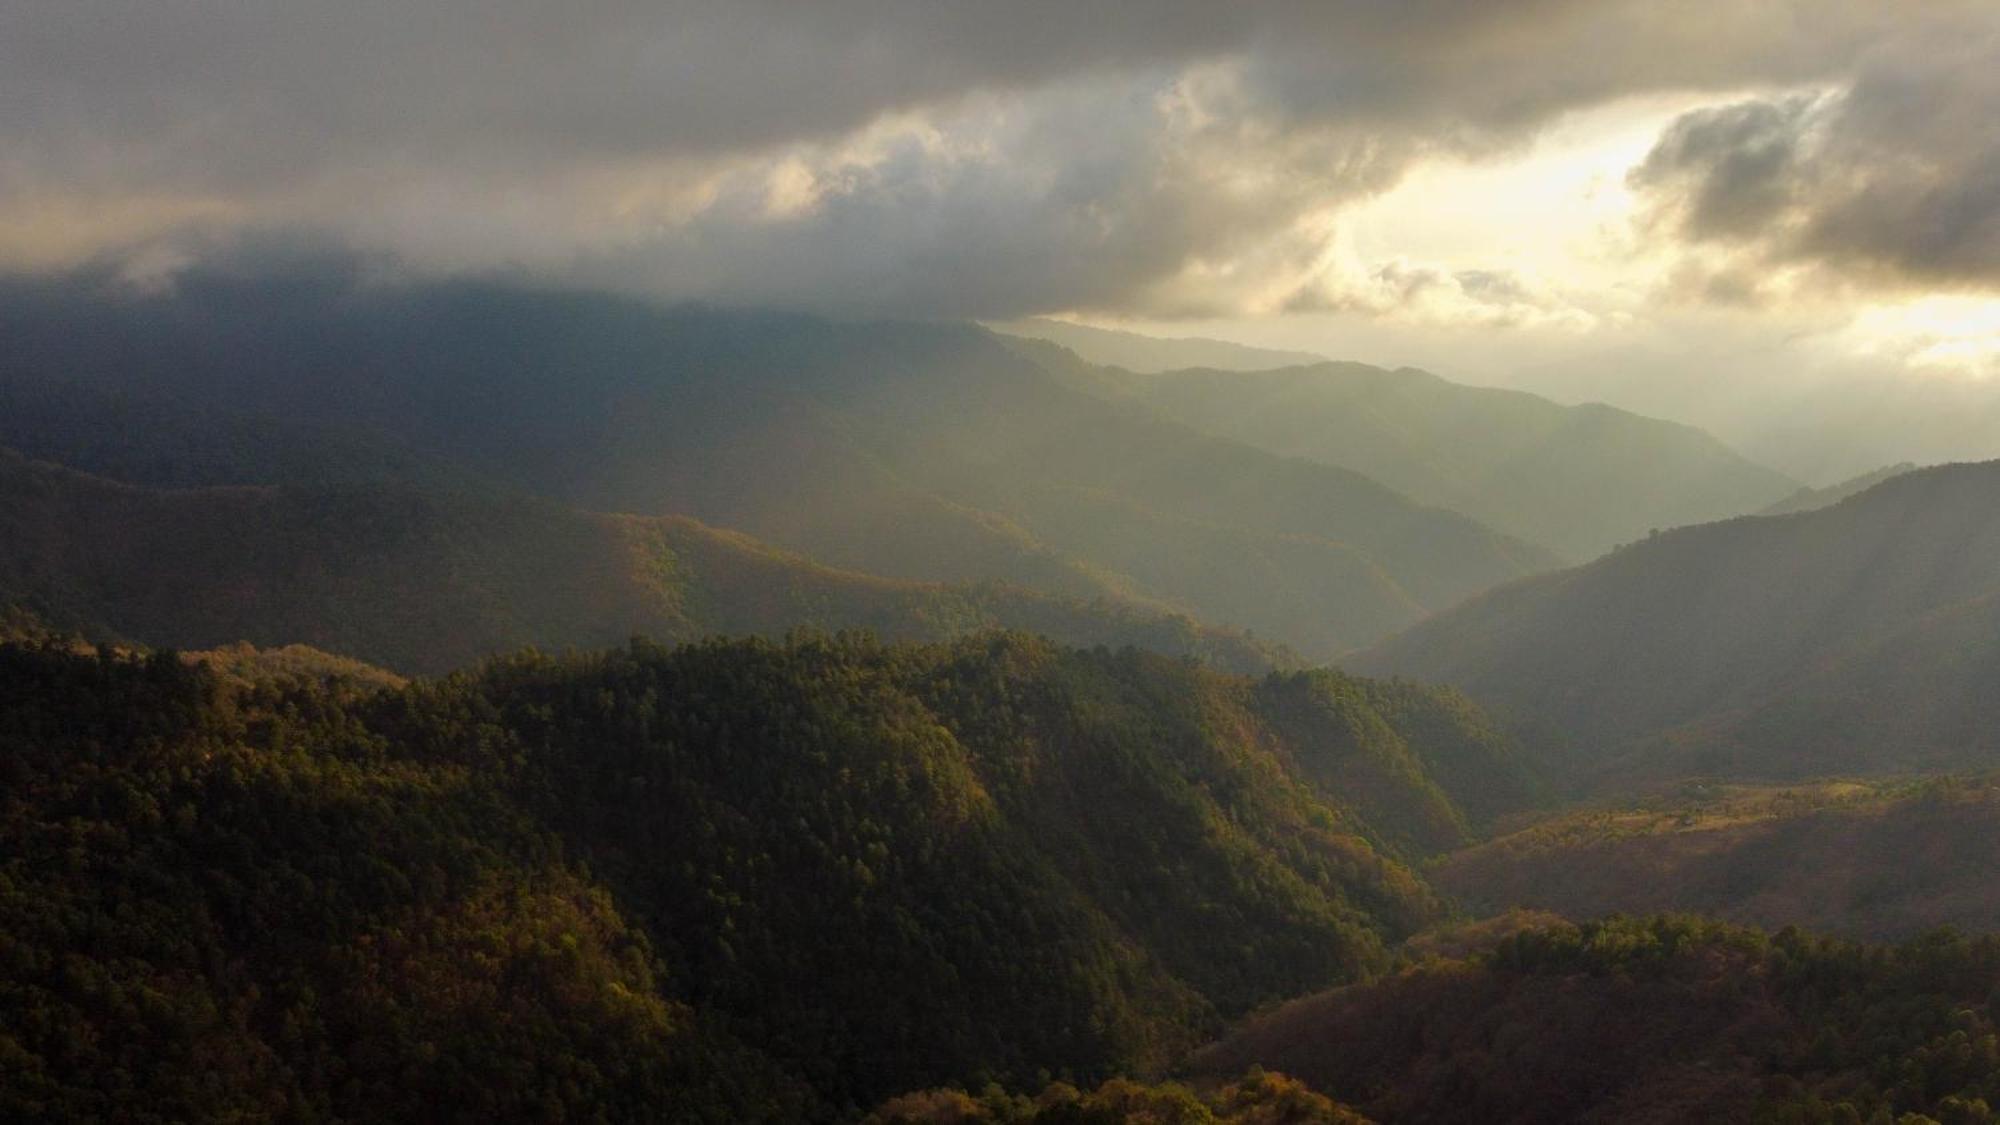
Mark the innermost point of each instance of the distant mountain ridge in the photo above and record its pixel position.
(1578, 479)
(1136, 351)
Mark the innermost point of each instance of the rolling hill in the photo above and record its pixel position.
(426, 582)
(1883, 861)
(1651, 1021)
(730, 881)
(926, 452)
(1577, 479)
(1855, 637)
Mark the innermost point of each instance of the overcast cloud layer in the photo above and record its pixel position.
(912, 157)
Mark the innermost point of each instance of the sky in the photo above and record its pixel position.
(1670, 201)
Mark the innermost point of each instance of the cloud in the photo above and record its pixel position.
(868, 156)
(1432, 294)
(1121, 193)
(1891, 182)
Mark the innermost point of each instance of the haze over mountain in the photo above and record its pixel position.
(431, 582)
(927, 452)
(1854, 637)
(1579, 479)
(1822, 428)
(885, 562)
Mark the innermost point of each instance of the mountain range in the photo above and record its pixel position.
(926, 452)
(975, 769)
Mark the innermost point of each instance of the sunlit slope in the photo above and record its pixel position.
(425, 582)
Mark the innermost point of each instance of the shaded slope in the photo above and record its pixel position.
(1921, 699)
(1697, 624)
(1917, 699)
(424, 582)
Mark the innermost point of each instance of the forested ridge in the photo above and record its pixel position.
(739, 879)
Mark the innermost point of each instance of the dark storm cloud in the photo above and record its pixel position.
(1894, 180)
(1011, 158)
(1733, 170)
(219, 90)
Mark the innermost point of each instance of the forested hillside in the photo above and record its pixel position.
(1577, 479)
(1666, 1021)
(430, 581)
(1855, 637)
(928, 452)
(734, 880)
